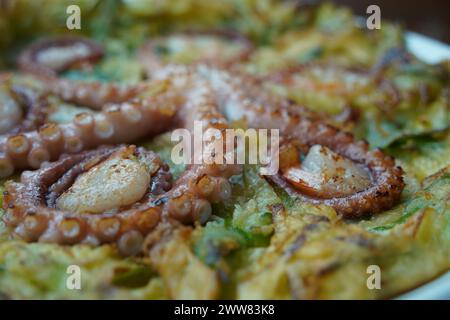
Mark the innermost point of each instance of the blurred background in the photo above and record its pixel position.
(429, 17)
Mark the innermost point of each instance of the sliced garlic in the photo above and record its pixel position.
(119, 181)
(326, 174)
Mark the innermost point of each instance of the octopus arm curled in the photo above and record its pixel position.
(49, 204)
(261, 110)
(32, 204)
(48, 57)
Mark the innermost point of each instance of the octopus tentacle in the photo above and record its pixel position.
(21, 109)
(121, 123)
(35, 106)
(64, 202)
(36, 217)
(94, 95)
(50, 56)
(11, 113)
(52, 205)
(243, 99)
(386, 182)
(46, 59)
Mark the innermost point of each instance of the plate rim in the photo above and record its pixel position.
(431, 51)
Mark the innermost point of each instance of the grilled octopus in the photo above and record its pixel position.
(69, 200)
(64, 201)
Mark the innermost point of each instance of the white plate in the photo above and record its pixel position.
(431, 51)
(427, 49)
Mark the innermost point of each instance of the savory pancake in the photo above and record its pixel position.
(364, 153)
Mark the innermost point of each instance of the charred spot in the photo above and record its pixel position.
(330, 267)
(159, 201)
(379, 193)
(296, 245)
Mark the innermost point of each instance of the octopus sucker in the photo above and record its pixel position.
(37, 155)
(325, 174)
(17, 146)
(94, 95)
(84, 120)
(377, 192)
(242, 98)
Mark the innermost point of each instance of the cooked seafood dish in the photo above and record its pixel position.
(357, 207)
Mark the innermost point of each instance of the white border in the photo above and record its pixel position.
(427, 49)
